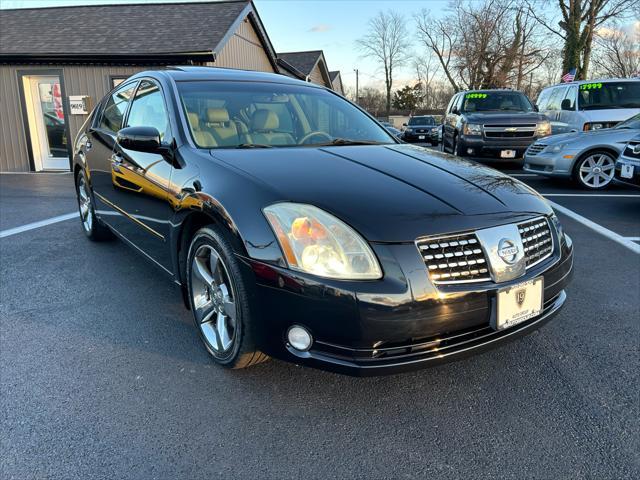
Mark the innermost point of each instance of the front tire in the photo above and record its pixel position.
(91, 226)
(595, 170)
(218, 300)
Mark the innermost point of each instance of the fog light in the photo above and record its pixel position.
(299, 338)
(469, 151)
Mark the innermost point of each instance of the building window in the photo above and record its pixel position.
(116, 80)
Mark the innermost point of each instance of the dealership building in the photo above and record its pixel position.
(50, 78)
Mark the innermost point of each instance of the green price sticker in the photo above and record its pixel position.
(476, 95)
(591, 86)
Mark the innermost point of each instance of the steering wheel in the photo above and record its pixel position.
(316, 133)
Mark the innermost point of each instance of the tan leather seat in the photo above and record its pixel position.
(202, 138)
(264, 124)
(221, 127)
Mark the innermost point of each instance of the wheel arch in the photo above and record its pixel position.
(596, 148)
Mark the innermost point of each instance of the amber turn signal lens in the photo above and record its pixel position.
(304, 228)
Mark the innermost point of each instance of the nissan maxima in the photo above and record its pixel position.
(296, 227)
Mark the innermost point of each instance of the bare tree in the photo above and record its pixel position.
(438, 37)
(617, 52)
(579, 20)
(478, 45)
(372, 100)
(387, 41)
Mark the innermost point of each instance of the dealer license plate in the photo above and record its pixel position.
(507, 154)
(420, 137)
(519, 303)
(627, 171)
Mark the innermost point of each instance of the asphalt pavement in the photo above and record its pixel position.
(102, 373)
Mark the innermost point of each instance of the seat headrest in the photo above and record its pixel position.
(264, 119)
(217, 115)
(194, 120)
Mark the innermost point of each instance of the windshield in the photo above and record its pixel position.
(252, 114)
(421, 121)
(594, 96)
(632, 123)
(496, 101)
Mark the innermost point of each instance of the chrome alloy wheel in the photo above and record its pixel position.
(213, 298)
(84, 204)
(596, 170)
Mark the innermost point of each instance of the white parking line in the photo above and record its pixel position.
(625, 242)
(523, 175)
(34, 225)
(609, 195)
(633, 239)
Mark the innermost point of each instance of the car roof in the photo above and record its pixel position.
(188, 73)
(595, 80)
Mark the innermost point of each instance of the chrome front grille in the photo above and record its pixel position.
(537, 240)
(453, 259)
(522, 130)
(536, 148)
(460, 258)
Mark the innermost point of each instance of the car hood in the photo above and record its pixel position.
(390, 193)
(606, 135)
(506, 118)
(610, 114)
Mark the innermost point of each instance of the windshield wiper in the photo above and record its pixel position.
(254, 145)
(347, 141)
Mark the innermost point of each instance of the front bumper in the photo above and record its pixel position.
(430, 136)
(491, 147)
(400, 323)
(633, 181)
(551, 164)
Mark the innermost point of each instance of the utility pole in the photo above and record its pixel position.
(357, 97)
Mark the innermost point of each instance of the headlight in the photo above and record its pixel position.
(557, 148)
(316, 242)
(409, 130)
(543, 129)
(557, 225)
(472, 129)
(593, 126)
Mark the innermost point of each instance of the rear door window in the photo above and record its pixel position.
(114, 110)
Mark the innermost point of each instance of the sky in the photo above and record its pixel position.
(295, 25)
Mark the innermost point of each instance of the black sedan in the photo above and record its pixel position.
(296, 227)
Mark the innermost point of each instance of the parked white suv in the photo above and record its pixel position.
(591, 105)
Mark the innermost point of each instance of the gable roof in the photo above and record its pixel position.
(336, 81)
(305, 62)
(302, 61)
(145, 32)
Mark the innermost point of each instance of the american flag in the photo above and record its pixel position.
(569, 76)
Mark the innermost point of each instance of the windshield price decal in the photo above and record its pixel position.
(590, 86)
(476, 95)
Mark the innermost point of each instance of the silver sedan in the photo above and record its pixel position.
(587, 157)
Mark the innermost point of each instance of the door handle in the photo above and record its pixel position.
(88, 146)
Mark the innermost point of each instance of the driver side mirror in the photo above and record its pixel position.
(536, 108)
(142, 139)
(455, 111)
(566, 104)
(404, 124)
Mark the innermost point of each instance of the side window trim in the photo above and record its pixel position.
(105, 100)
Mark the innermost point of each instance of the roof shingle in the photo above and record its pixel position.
(302, 61)
(118, 30)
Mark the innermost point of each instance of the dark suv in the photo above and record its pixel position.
(492, 123)
(421, 129)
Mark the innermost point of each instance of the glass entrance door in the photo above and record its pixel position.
(47, 127)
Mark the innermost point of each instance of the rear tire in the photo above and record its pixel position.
(218, 300)
(92, 227)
